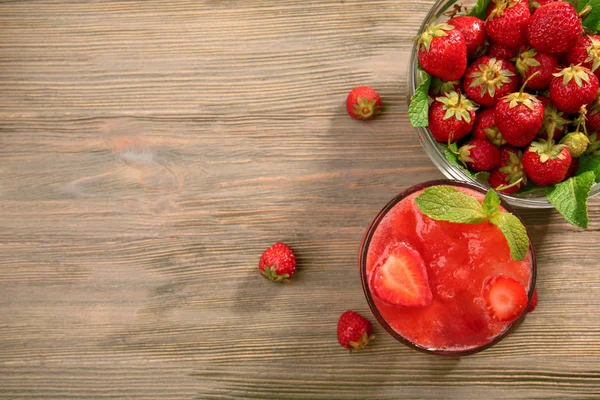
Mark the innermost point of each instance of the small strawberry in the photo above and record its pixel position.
(488, 79)
(554, 28)
(485, 127)
(479, 155)
(593, 116)
(500, 52)
(594, 146)
(401, 278)
(576, 142)
(354, 331)
(443, 52)
(573, 87)
(530, 62)
(473, 30)
(510, 177)
(451, 117)
(534, 301)
(519, 116)
(554, 121)
(572, 168)
(586, 52)
(363, 103)
(546, 163)
(505, 297)
(439, 87)
(278, 263)
(507, 21)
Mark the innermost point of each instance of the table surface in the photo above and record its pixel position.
(151, 150)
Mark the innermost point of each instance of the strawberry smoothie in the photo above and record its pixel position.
(442, 287)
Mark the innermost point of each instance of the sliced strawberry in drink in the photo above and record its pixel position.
(401, 278)
(504, 297)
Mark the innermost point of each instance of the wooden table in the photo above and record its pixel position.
(151, 150)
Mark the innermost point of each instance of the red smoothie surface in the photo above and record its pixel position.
(458, 258)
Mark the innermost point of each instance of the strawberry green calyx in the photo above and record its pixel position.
(576, 142)
(491, 76)
(272, 275)
(593, 148)
(593, 51)
(553, 120)
(494, 136)
(525, 60)
(439, 86)
(514, 169)
(522, 97)
(574, 72)
(464, 154)
(431, 32)
(501, 6)
(365, 108)
(457, 106)
(362, 341)
(547, 150)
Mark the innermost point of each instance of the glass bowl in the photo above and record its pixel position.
(435, 150)
(362, 265)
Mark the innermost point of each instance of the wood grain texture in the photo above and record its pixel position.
(149, 152)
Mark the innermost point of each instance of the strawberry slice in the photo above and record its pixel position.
(401, 278)
(504, 297)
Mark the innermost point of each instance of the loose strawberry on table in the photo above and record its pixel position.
(473, 30)
(443, 52)
(451, 117)
(479, 155)
(586, 52)
(278, 263)
(485, 127)
(530, 62)
(488, 79)
(363, 103)
(554, 28)
(353, 330)
(573, 87)
(546, 163)
(506, 22)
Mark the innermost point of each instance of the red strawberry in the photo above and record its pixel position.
(439, 87)
(572, 88)
(353, 330)
(451, 117)
(363, 103)
(519, 116)
(502, 52)
(572, 168)
(506, 22)
(485, 127)
(592, 121)
(443, 52)
(586, 52)
(510, 177)
(473, 30)
(546, 163)
(554, 121)
(488, 79)
(534, 301)
(554, 28)
(505, 297)
(278, 263)
(530, 62)
(401, 278)
(479, 155)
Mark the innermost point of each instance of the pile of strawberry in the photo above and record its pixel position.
(512, 89)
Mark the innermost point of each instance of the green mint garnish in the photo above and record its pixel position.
(570, 198)
(445, 203)
(480, 9)
(418, 110)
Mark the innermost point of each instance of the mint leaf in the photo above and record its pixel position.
(491, 202)
(453, 159)
(480, 9)
(589, 163)
(445, 203)
(418, 110)
(514, 232)
(570, 198)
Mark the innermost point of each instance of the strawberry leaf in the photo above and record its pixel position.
(590, 163)
(452, 158)
(418, 110)
(591, 21)
(445, 203)
(570, 198)
(514, 232)
(480, 9)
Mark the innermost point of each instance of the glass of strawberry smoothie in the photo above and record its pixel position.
(440, 287)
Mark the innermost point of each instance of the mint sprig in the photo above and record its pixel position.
(418, 110)
(570, 198)
(446, 203)
(480, 9)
